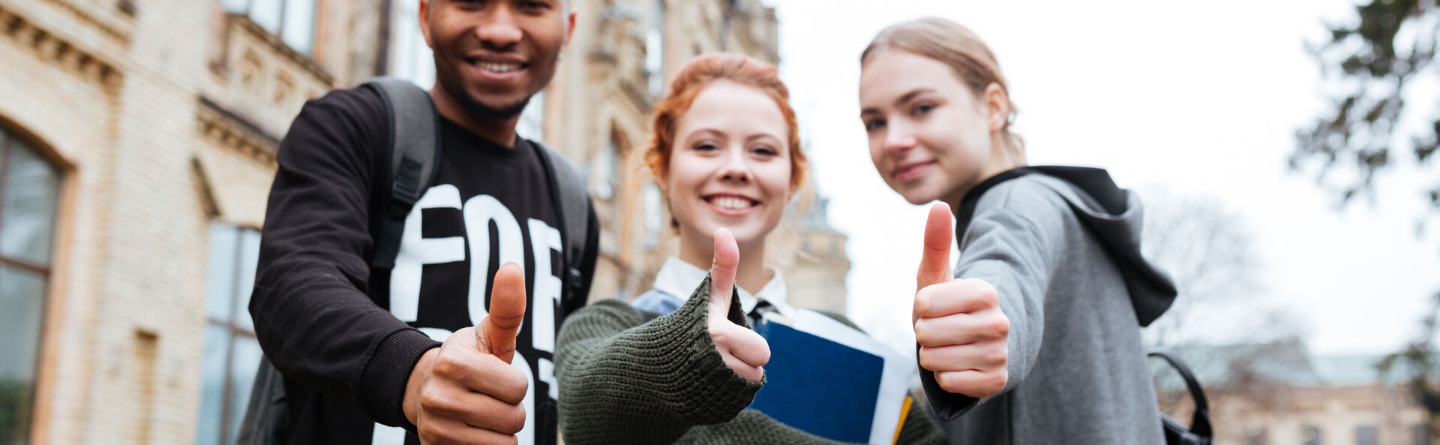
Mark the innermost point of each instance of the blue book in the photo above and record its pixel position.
(831, 380)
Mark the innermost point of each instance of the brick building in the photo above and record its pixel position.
(137, 144)
(1278, 393)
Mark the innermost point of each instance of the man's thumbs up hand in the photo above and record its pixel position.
(465, 391)
(744, 351)
(496, 335)
(958, 323)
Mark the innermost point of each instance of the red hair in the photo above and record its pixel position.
(693, 78)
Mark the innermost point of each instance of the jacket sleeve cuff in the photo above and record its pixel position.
(946, 405)
(727, 392)
(382, 384)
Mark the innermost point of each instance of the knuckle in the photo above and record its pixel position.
(431, 398)
(1000, 327)
(923, 332)
(513, 421)
(928, 359)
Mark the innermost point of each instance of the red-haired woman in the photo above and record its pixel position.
(726, 154)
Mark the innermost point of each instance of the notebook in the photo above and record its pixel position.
(831, 380)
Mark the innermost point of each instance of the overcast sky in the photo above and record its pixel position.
(1197, 97)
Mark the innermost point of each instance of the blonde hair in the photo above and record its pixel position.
(962, 50)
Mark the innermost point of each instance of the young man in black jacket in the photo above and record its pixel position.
(360, 345)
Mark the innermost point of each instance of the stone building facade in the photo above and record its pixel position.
(600, 106)
(1271, 394)
(137, 145)
(157, 121)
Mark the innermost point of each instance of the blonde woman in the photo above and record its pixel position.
(1035, 336)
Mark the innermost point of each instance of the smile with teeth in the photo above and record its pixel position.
(731, 202)
(499, 67)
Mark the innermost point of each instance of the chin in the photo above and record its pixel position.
(919, 197)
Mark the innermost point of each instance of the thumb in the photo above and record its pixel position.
(507, 311)
(935, 261)
(722, 272)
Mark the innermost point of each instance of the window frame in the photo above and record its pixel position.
(280, 26)
(12, 139)
(234, 331)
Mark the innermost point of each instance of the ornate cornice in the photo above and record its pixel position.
(231, 131)
(116, 31)
(242, 22)
(55, 48)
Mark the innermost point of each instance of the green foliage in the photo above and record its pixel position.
(1391, 43)
(15, 405)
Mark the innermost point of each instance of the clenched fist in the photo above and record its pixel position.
(744, 351)
(958, 323)
(465, 391)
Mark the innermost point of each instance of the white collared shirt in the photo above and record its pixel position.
(679, 279)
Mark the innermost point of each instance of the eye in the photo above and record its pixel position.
(706, 147)
(534, 5)
(765, 151)
(871, 125)
(921, 109)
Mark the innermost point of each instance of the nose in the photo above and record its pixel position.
(735, 168)
(899, 138)
(498, 29)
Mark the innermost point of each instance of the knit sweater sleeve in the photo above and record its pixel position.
(626, 381)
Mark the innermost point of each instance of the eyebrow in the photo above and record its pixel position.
(750, 137)
(904, 99)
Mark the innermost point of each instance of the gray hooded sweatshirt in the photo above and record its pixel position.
(1064, 256)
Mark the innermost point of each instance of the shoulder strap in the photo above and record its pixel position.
(414, 153)
(1199, 431)
(567, 191)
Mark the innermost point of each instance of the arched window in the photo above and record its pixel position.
(232, 353)
(29, 189)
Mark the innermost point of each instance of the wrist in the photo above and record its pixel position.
(411, 404)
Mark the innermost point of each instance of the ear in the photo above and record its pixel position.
(569, 27)
(424, 23)
(997, 106)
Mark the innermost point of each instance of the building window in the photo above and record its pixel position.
(1310, 435)
(231, 352)
(608, 166)
(410, 58)
(1367, 435)
(29, 190)
(292, 20)
(655, 49)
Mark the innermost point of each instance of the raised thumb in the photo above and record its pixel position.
(935, 260)
(722, 272)
(507, 312)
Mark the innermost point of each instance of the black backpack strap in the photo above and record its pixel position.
(567, 191)
(414, 153)
(1199, 431)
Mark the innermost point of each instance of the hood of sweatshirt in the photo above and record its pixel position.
(1114, 215)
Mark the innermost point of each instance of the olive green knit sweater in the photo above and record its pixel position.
(626, 381)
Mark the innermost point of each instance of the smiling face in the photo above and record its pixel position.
(730, 165)
(492, 55)
(930, 136)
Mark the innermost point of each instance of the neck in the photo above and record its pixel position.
(499, 131)
(1000, 162)
(750, 275)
